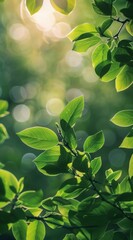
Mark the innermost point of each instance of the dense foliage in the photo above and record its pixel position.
(86, 207)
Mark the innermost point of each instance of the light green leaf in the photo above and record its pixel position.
(112, 73)
(48, 204)
(84, 44)
(36, 231)
(63, 6)
(100, 54)
(129, 27)
(34, 5)
(105, 25)
(31, 199)
(73, 111)
(3, 133)
(54, 221)
(3, 108)
(124, 79)
(130, 169)
(53, 161)
(123, 118)
(21, 184)
(114, 176)
(94, 142)
(81, 30)
(128, 141)
(8, 187)
(70, 236)
(40, 138)
(95, 165)
(19, 230)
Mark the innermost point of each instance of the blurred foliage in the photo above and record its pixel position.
(39, 73)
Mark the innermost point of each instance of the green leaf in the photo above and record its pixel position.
(94, 142)
(21, 184)
(19, 230)
(130, 169)
(81, 30)
(64, 6)
(70, 236)
(128, 11)
(34, 5)
(73, 111)
(40, 138)
(104, 7)
(68, 133)
(36, 231)
(84, 44)
(108, 235)
(3, 108)
(95, 165)
(3, 133)
(54, 221)
(71, 188)
(114, 176)
(123, 118)
(31, 199)
(101, 59)
(128, 141)
(129, 27)
(105, 25)
(53, 161)
(48, 204)
(81, 162)
(128, 196)
(124, 78)
(8, 187)
(112, 73)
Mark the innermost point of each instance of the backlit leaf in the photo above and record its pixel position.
(128, 141)
(34, 5)
(123, 118)
(19, 230)
(130, 169)
(3, 108)
(84, 44)
(129, 27)
(124, 78)
(40, 138)
(36, 231)
(63, 6)
(3, 133)
(81, 30)
(95, 165)
(94, 142)
(73, 111)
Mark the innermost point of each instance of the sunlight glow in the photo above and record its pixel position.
(21, 113)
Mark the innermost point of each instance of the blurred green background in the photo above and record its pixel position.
(39, 74)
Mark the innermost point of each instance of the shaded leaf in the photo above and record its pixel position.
(40, 138)
(19, 230)
(81, 162)
(94, 142)
(53, 161)
(123, 118)
(64, 6)
(68, 133)
(70, 236)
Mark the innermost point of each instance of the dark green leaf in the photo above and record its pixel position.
(128, 196)
(128, 141)
(68, 134)
(19, 230)
(73, 111)
(36, 230)
(104, 7)
(40, 138)
(128, 11)
(105, 25)
(53, 161)
(48, 204)
(124, 78)
(34, 5)
(94, 142)
(54, 221)
(31, 199)
(123, 118)
(64, 6)
(81, 162)
(70, 236)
